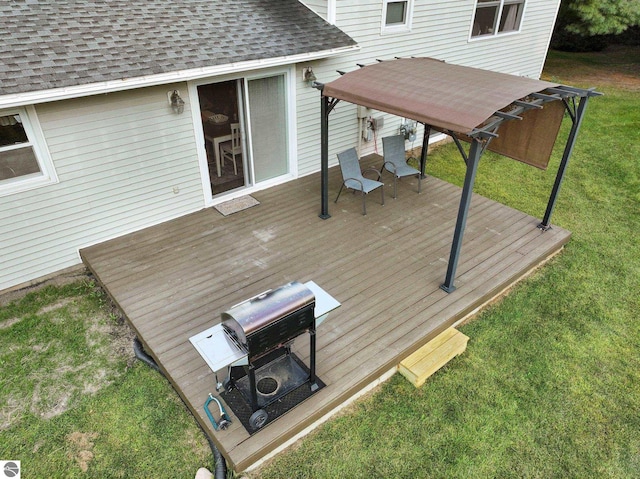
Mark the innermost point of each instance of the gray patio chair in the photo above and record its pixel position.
(352, 177)
(395, 161)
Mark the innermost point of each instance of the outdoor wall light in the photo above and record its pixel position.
(176, 102)
(308, 75)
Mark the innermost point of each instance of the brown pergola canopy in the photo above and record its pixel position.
(466, 103)
(442, 95)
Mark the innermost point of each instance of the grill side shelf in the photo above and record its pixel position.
(218, 349)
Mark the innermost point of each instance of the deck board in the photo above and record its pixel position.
(173, 280)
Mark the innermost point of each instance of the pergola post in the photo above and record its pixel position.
(425, 147)
(568, 150)
(324, 157)
(475, 151)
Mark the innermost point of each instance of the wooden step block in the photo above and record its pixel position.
(433, 355)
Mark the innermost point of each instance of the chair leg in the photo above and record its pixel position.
(382, 194)
(235, 168)
(364, 204)
(340, 191)
(395, 187)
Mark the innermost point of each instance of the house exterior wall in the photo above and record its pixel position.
(118, 158)
(125, 161)
(318, 6)
(440, 29)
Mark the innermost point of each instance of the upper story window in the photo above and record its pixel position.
(24, 161)
(494, 17)
(396, 16)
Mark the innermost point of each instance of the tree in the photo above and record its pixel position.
(586, 25)
(598, 17)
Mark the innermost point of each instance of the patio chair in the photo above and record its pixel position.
(230, 149)
(352, 177)
(395, 161)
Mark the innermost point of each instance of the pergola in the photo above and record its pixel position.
(515, 116)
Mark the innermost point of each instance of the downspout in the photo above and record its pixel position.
(220, 471)
(142, 355)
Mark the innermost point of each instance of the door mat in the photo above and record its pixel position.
(237, 204)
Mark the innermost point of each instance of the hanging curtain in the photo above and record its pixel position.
(9, 120)
(509, 21)
(268, 117)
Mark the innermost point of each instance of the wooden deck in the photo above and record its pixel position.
(173, 280)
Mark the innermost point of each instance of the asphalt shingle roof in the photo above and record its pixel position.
(52, 43)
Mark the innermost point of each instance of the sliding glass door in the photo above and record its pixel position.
(267, 119)
(245, 128)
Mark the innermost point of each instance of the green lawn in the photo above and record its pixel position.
(75, 403)
(548, 386)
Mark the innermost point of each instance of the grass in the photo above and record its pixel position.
(548, 386)
(74, 403)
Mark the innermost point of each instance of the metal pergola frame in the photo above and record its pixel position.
(480, 138)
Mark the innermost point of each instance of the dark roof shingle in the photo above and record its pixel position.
(52, 43)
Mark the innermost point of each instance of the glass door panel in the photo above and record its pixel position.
(267, 114)
(220, 112)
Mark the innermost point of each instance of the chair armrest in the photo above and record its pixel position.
(355, 179)
(373, 169)
(393, 165)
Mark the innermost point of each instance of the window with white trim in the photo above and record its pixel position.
(396, 16)
(24, 161)
(495, 17)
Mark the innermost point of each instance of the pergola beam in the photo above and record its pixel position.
(578, 91)
(562, 92)
(546, 98)
(527, 104)
(425, 148)
(456, 140)
(507, 116)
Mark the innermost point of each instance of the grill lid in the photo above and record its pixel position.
(257, 313)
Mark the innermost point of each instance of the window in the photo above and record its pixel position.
(493, 17)
(23, 163)
(396, 16)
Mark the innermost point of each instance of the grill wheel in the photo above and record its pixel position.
(258, 419)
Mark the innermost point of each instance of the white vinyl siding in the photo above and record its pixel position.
(118, 158)
(440, 29)
(318, 6)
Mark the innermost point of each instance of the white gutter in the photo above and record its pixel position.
(54, 94)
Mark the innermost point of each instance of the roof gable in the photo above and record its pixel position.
(51, 44)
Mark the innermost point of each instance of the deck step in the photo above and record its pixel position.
(432, 356)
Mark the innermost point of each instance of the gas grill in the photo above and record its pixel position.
(270, 319)
(252, 345)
